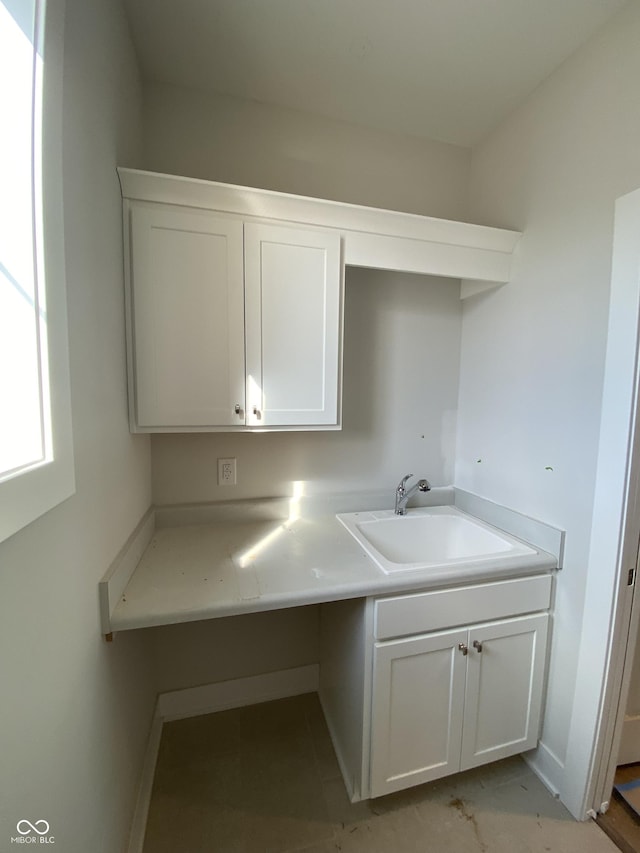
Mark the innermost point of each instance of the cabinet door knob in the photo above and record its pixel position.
(464, 649)
(257, 412)
(237, 409)
(477, 645)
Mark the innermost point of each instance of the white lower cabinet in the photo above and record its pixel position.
(417, 712)
(453, 700)
(414, 688)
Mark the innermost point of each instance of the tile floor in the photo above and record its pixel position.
(264, 779)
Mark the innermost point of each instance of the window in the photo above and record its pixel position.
(36, 459)
(25, 428)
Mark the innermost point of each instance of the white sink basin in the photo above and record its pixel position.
(429, 537)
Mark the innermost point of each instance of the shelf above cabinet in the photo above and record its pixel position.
(478, 255)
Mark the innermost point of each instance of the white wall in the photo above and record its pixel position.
(75, 712)
(233, 140)
(533, 352)
(196, 653)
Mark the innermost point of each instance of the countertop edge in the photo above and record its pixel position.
(541, 564)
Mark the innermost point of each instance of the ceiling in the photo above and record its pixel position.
(444, 69)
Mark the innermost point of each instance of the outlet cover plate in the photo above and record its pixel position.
(227, 472)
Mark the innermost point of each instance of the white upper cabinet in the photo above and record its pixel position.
(232, 325)
(292, 292)
(187, 311)
(234, 297)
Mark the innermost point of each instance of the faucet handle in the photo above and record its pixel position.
(403, 481)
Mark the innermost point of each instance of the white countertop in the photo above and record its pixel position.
(231, 566)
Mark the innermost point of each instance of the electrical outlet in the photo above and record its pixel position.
(226, 472)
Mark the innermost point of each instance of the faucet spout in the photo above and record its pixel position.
(403, 495)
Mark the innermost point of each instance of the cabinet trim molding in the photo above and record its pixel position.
(373, 237)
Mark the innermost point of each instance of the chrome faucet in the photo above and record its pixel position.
(403, 494)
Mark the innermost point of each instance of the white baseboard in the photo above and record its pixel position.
(193, 701)
(629, 751)
(547, 767)
(240, 691)
(139, 824)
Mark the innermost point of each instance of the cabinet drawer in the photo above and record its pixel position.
(422, 612)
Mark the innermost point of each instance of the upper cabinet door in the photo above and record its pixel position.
(293, 304)
(186, 282)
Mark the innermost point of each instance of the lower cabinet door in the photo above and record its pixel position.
(503, 698)
(417, 711)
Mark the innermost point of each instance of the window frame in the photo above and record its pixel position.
(35, 491)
